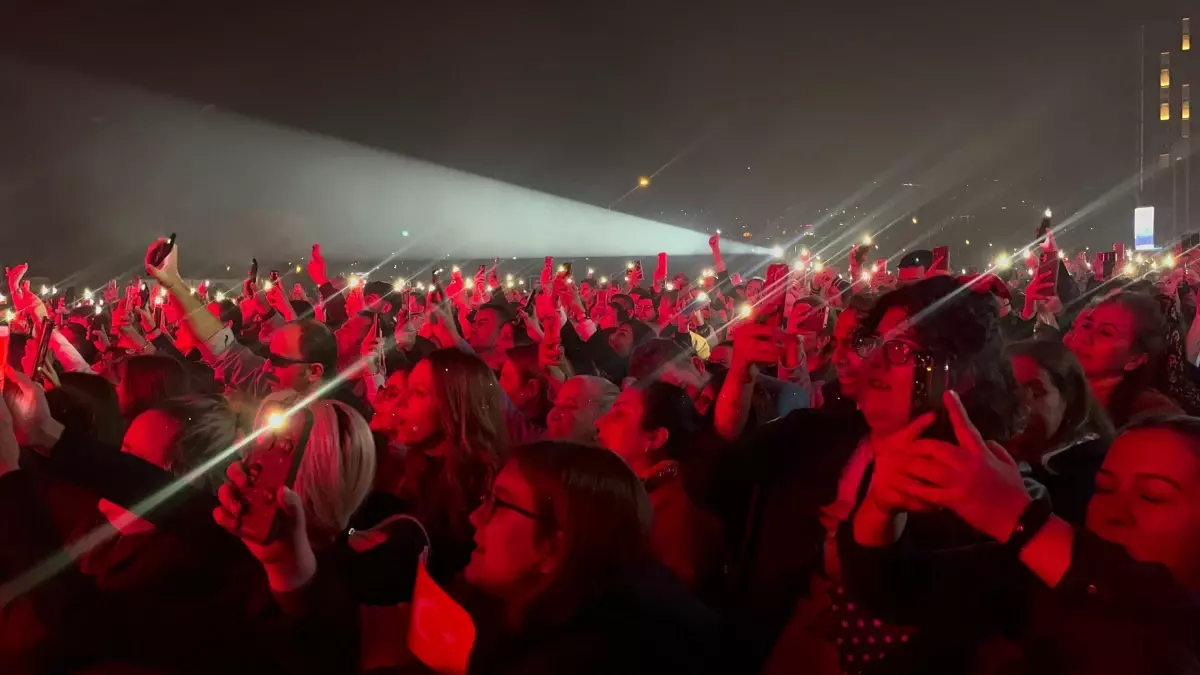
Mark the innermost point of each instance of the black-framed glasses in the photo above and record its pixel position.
(283, 361)
(895, 352)
(491, 502)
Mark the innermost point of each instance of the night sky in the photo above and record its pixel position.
(756, 117)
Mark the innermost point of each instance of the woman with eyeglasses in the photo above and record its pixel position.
(561, 578)
(784, 492)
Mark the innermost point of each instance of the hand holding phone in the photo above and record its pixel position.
(273, 464)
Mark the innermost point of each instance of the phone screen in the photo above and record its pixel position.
(4, 335)
(1048, 266)
(772, 300)
(941, 259)
(931, 380)
(47, 330)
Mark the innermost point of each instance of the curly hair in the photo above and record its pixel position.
(950, 320)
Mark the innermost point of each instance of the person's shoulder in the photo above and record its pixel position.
(1153, 401)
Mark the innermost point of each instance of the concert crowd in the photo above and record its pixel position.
(803, 468)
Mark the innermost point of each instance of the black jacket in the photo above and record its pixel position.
(1109, 613)
(768, 492)
(646, 624)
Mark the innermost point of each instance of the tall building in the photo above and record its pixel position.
(1170, 74)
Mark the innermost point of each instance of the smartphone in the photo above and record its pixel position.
(931, 380)
(860, 252)
(377, 326)
(158, 314)
(4, 335)
(772, 300)
(941, 259)
(253, 268)
(1043, 228)
(662, 263)
(1108, 263)
(162, 250)
(47, 330)
(271, 465)
(1048, 265)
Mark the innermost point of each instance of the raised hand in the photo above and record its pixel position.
(976, 479)
(167, 273)
(288, 558)
(316, 267)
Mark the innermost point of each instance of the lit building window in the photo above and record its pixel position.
(1185, 112)
(1187, 35)
(1164, 111)
(1164, 78)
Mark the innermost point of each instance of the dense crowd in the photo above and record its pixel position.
(811, 470)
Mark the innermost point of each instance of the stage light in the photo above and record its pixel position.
(1047, 213)
(1002, 261)
(643, 182)
(777, 251)
(297, 269)
(867, 239)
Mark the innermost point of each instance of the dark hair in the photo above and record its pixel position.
(80, 338)
(446, 489)
(642, 332)
(88, 402)
(229, 313)
(302, 308)
(640, 293)
(318, 345)
(621, 302)
(950, 320)
(862, 302)
(207, 426)
(831, 314)
(666, 406)
(525, 359)
(592, 499)
(1083, 414)
(647, 362)
(1183, 425)
(146, 380)
(1149, 338)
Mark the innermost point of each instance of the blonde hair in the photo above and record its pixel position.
(338, 467)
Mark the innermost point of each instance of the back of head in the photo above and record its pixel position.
(337, 470)
(207, 431)
(599, 506)
(148, 379)
(648, 361)
(666, 406)
(91, 401)
(955, 323)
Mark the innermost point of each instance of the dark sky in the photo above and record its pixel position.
(774, 113)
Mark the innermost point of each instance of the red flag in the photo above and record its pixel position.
(440, 632)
